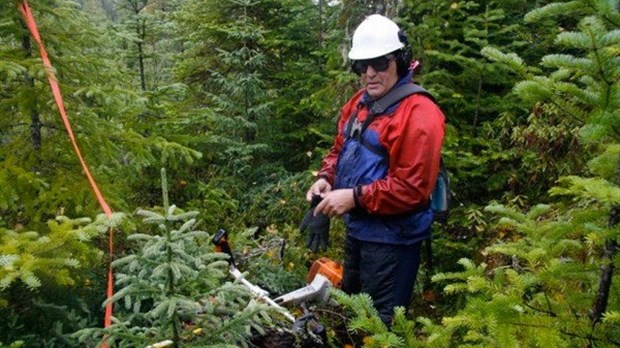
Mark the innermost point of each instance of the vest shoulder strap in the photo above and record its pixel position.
(354, 128)
(395, 95)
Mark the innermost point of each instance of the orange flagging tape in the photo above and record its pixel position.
(24, 9)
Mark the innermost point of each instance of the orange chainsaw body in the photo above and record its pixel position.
(328, 268)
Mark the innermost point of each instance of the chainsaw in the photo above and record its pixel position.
(323, 275)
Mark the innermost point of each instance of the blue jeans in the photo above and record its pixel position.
(387, 272)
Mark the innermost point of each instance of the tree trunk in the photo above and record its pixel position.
(35, 119)
(136, 6)
(321, 33)
(110, 12)
(380, 7)
(477, 111)
(141, 31)
(607, 270)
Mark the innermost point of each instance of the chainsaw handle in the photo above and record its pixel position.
(220, 240)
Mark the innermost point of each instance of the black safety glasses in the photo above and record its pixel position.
(378, 64)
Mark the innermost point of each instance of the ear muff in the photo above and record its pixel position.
(403, 56)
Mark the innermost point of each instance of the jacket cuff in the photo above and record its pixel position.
(357, 194)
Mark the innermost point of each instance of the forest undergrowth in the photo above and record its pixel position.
(236, 102)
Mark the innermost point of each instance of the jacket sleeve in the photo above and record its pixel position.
(413, 138)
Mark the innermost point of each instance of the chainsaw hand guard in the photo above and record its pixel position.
(317, 226)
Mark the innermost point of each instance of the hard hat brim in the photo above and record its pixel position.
(361, 54)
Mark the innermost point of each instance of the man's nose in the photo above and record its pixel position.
(370, 71)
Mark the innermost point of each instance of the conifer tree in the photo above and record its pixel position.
(173, 288)
(227, 40)
(43, 276)
(139, 26)
(364, 321)
(148, 42)
(309, 75)
(41, 176)
(552, 281)
(447, 39)
(248, 84)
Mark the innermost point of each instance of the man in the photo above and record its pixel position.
(380, 178)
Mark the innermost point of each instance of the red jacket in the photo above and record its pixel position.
(412, 134)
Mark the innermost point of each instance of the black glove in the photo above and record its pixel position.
(318, 227)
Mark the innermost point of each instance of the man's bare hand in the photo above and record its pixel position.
(319, 188)
(336, 203)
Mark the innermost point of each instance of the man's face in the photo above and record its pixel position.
(378, 75)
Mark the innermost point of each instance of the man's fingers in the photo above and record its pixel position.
(309, 240)
(320, 207)
(313, 191)
(314, 244)
(323, 242)
(305, 221)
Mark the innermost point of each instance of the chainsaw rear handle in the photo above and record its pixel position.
(220, 240)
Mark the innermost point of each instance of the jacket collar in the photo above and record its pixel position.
(366, 100)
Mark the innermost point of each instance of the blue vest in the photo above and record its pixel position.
(363, 160)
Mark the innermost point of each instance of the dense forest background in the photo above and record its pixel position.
(236, 100)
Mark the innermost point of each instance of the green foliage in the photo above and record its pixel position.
(54, 255)
(364, 321)
(367, 316)
(574, 94)
(101, 106)
(268, 258)
(583, 85)
(278, 201)
(604, 165)
(525, 293)
(173, 285)
(596, 189)
(47, 277)
(276, 278)
(240, 100)
(238, 94)
(13, 345)
(448, 42)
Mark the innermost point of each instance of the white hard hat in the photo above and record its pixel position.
(374, 37)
